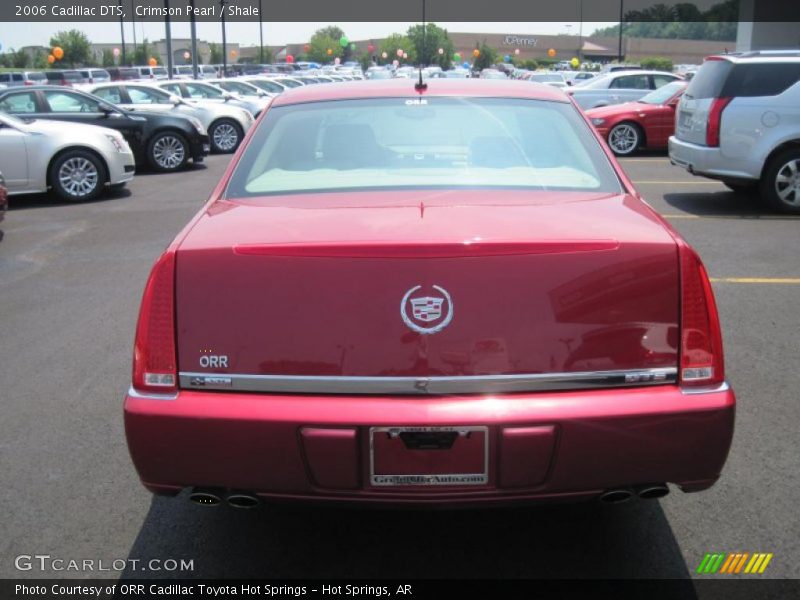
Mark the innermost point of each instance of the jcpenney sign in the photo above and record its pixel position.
(515, 40)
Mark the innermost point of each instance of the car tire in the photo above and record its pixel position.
(78, 175)
(167, 151)
(625, 138)
(225, 135)
(780, 183)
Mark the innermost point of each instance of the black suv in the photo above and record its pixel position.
(165, 142)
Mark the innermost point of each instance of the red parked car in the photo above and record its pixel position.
(451, 295)
(646, 123)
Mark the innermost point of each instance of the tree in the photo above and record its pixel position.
(657, 63)
(20, 59)
(428, 53)
(327, 38)
(108, 58)
(76, 47)
(392, 44)
(486, 58)
(216, 54)
(143, 54)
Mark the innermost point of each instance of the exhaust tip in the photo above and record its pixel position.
(652, 491)
(616, 496)
(205, 497)
(243, 500)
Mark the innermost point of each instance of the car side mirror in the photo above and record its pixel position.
(176, 100)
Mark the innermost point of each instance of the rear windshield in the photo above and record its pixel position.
(159, 71)
(710, 78)
(401, 143)
(764, 79)
(36, 76)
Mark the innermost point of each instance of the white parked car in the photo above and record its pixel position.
(76, 161)
(617, 87)
(226, 125)
(203, 93)
(242, 89)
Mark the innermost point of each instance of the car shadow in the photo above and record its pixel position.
(48, 200)
(146, 171)
(586, 540)
(723, 204)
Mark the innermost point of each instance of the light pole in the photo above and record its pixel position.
(222, 4)
(621, 17)
(193, 29)
(133, 20)
(121, 31)
(260, 35)
(169, 40)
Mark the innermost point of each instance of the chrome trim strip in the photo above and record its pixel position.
(722, 387)
(477, 384)
(133, 393)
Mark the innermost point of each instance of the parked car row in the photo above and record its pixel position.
(79, 140)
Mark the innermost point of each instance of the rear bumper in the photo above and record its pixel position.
(707, 161)
(542, 446)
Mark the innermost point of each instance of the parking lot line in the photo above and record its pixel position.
(774, 280)
(671, 182)
(733, 217)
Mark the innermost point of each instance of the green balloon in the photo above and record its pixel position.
(343, 41)
(457, 57)
(352, 46)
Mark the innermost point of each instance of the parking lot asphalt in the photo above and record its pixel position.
(71, 278)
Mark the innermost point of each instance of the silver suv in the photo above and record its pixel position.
(739, 122)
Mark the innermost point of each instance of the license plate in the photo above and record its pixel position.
(429, 456)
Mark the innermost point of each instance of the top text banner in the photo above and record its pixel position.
(26, 11)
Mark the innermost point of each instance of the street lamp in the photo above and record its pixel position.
(621, 17)
(121, 30)
(222, 4)
(260, 35)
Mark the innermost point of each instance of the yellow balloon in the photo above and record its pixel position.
(575, 62)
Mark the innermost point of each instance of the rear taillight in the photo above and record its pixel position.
(154, 358)
(27, 82)
(714, 120)
(701, 338)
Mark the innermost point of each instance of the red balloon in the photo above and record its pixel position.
(371, 48)
(307, 47)
(289, 58)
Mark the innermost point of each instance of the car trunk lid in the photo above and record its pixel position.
(426, 284)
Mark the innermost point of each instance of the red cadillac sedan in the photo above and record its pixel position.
(445, 295)
(646, 123)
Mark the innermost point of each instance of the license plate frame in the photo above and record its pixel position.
(429, 479)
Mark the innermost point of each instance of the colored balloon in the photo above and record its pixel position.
(51, 59)
(234, 53)
(58, 53)
(476, 53)
(152, 62)
(289, 58)
(395, 62)
(329, 51)
(551, 52)
(384, 55)
(116, 51)
(516, 51)
(441, 51)
(344, 42)
(457, 57)
(575, 62)
(307, 47)
(370, 47)
(337, 60)
(507, 58)
(405, 54)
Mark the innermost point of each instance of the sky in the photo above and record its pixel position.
(245, 34)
